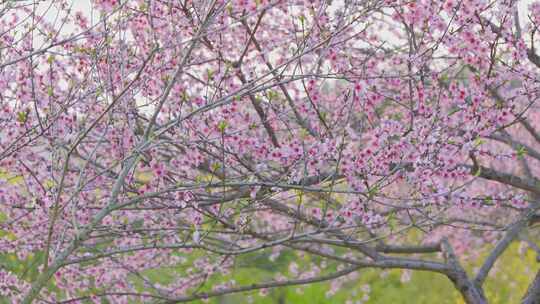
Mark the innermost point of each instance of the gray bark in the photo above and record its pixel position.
(533, 292)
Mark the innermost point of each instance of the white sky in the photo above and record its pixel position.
(85, 6)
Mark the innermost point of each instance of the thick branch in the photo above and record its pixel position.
(510, 235)
(471, 293)
(531, 130)
(533, 292)
(429, 248)
(532, 185)
(516, 145)
(264, 120)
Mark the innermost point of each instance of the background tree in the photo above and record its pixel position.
(193, 136)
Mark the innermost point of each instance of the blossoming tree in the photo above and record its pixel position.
(186, 135)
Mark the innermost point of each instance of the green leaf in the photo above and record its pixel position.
(521, 151)
(22, 116)
(478, 172)
(271, 95)
(478, 142)
(392, 221)
(453, 111)
(222, 126)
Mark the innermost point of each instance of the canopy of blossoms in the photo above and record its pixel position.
(186, 135)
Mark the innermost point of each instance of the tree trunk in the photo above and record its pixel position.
(470, 293)
(533, 292)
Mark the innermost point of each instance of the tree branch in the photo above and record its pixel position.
(471, 293)
(510, 235)
(429, 248)
(533, 291)
(532, 185)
